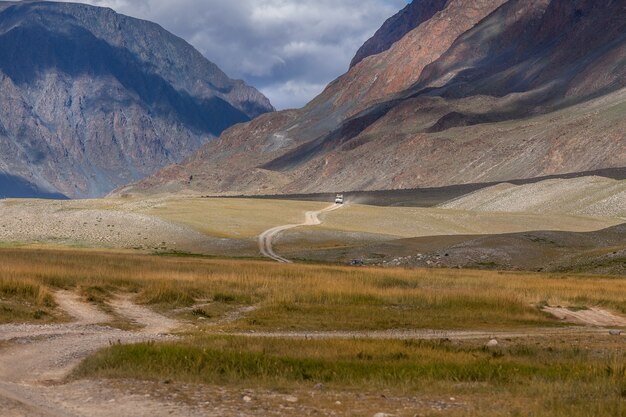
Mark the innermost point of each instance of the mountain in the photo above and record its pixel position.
(91, 99)
(396, 27)
(481, 91)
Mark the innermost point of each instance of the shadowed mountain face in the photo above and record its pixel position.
(14, 187)
(91, 100)
(481, 91)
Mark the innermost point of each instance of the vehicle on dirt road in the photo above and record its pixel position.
(339, 199)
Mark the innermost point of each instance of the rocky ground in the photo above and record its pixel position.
(100, 224)
(600, 252)
(552, 225)
(589, 196)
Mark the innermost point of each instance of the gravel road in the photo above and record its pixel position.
(311, 218)
(40, 356)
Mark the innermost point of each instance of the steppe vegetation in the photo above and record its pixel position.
(534, 377)
(578, 373)
(229, 227)
(306, 297)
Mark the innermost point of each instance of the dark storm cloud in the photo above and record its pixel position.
(289, 49)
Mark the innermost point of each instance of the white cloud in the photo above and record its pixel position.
(289, 49)
(292, 93)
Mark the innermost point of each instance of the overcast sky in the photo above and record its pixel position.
(288, 49)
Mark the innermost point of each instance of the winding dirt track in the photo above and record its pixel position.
(42, 355)
(265, 239)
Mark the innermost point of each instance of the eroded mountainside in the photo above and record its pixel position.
(397, 26)
(91, 100)
(488, 90)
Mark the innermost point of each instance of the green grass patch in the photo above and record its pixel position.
(363, 313)
(351, 363)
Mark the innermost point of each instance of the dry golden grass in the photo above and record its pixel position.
(558, 376)
(314, 297)
(406, 222)
(23, 299)
(229, 227)
(232, 217)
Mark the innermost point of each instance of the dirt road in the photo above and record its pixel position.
(40, 356)
(265, 239)
(37, 358)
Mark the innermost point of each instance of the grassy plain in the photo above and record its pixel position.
(533, 377)
(563, 375)
(308, 297)
(229, 227)
(232, 217)
(247, 218)
(405, 222)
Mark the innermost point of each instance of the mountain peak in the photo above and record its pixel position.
(92, 99)
(394, 29)
(481, 91)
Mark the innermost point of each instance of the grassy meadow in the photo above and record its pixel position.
(560, 375)
(564, 377)
(304, 297)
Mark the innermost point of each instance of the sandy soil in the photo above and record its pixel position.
(38, 357)
(590, 317)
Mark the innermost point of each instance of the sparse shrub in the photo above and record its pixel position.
(198, 312)
(224, 298)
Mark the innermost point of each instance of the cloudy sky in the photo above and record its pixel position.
(289, 49)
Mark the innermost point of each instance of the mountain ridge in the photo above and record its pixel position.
(394, 29)
(93, 100)
(486, 91)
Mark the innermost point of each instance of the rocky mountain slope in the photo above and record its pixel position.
(586, 196)
(482, 91)
(397, 26)
(91, 100)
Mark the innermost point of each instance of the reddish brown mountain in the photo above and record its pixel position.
(488, 90)
(396, 27)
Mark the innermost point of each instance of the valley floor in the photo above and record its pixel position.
(554, 225)
(89, 333)
(159, 306)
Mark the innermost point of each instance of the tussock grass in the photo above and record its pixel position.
(561, 376)
(549, 378)
(24, 300)
(313, 297)
(346, 362)
(26, 290)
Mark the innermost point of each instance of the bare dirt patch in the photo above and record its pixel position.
(43, 355)
(590, 317)
(82, 312)
(151, 322)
